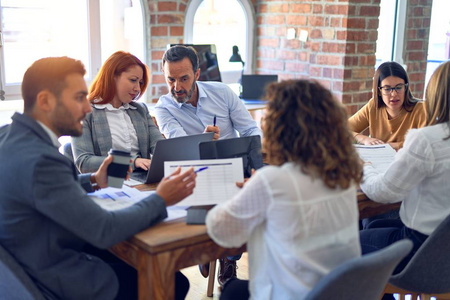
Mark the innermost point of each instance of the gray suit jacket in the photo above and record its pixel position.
(46, 217)
(92, 147)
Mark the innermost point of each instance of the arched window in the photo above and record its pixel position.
(86, 30)
(225, 24)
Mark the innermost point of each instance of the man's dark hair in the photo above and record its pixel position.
(179, 52)
(48, 74)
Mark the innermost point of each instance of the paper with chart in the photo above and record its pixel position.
(215, 184)
(114, 199)
(381, 156)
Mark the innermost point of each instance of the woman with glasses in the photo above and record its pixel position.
(391, 112)
(419, 176)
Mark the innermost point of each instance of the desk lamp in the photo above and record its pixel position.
(236, 57)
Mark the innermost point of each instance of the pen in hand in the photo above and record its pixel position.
(214, 121)
(201, 169)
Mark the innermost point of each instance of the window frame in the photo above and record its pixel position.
(248, 57)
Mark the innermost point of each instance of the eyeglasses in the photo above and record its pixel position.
(387, 90)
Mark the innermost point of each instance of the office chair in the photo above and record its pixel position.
(14, 281)
(428, 271)
(363, 277)
(249, 148)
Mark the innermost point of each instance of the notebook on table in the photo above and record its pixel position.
(179, 148)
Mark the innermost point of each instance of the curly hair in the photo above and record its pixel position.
(306, 125)
(104, 86)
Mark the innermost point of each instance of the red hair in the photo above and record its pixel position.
(103, 88)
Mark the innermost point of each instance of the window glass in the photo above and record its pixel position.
(439, 41)
(224, 24)
(36, 29)
(386, 29)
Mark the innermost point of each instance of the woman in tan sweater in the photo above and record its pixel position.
(391, 112)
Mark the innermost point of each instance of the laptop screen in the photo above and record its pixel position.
(253, 86)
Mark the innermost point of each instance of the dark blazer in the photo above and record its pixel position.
(46, 218)
(92, 147)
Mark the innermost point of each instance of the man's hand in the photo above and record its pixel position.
(142, 163)
(101, 176)
(177, 186)
(214, 129)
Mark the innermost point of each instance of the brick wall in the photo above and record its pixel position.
(166, 27)
(339, 52)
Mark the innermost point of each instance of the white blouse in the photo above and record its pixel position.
(296, 230)
(123, 133)
(419, 175)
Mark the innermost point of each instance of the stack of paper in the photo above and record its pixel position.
(381, 156)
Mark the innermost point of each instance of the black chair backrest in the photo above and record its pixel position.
(363, 277)
(428, 271)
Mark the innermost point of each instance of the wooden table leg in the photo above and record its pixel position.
(156, 278)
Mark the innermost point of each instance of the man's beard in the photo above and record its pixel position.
(185, 98)
(65, 122)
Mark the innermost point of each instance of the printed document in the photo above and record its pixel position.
(381, 156)
(216, 179)
(114, 199)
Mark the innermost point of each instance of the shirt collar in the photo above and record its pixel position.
(108, 106)
(51, 134)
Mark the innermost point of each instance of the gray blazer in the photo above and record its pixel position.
(92, 147)
(46, 217)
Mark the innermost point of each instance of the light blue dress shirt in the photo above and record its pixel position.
(215, 99)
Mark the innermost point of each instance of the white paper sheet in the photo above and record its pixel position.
(214, 185)
(381, 156)
(115, 199)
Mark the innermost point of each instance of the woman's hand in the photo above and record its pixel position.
(142, 163)
(365, 140)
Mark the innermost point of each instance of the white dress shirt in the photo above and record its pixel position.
(123, 133)
(214, 99)
(419, 175)
(296, 230)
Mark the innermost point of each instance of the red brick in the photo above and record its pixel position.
(275, 65)
(296, 20)
(176, 30)
(301, 8)
(315, 34)
(414, 45)
(263, 8)
(286, 54)
(158, 31)
(317, 8)
(329, 60)
(337, 22)
(337, 86)
(365, 48)
(356, 23)
(266, 53)
(269, 42)
(279, 8)
(171, 19)
(373, 11)
(327, 72)
(157, 55)
(417, 56)
(295, 67)
(336, 9)
(316, 21)
(275, 20)
(167, 6)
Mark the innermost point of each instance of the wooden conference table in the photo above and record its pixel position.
(158, 252)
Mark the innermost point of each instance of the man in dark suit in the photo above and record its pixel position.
(47, 221)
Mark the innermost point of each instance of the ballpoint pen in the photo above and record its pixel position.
(201, 169)
(214, 121)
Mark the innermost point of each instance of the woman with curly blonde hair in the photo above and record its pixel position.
(298, 216)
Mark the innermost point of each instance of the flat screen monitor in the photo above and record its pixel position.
(208, 64)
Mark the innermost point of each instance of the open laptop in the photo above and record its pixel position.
(253, 86)
(180, 148)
